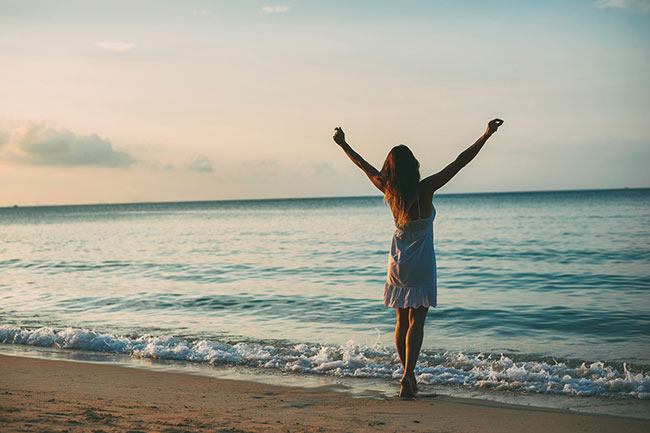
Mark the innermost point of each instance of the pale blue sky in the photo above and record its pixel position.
(199, 100)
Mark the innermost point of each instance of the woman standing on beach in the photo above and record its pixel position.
(411, 283)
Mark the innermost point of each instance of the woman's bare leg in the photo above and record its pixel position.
(401, 328)
(414, 338)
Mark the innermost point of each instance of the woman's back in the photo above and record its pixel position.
(422, 206)
(411, 280)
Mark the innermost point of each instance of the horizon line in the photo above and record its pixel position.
(321, 197)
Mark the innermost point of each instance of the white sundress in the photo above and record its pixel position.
(412, 275)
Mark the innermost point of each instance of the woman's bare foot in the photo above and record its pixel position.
(406, 391)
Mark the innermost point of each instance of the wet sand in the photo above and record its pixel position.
(60, 396)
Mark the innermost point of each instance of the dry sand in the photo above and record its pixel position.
(43, 395)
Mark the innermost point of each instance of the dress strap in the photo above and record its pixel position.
(418, 202)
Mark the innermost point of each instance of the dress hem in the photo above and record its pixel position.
(409, 297)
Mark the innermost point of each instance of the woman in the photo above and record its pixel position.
(411, 283)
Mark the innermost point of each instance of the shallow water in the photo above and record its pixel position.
(530, 287)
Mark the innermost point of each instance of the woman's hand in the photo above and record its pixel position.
(339, 136)
(493, 126)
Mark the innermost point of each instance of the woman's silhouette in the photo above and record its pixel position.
(411, 283)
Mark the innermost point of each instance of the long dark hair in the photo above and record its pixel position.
(401, 176)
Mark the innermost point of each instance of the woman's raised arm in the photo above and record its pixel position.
(371, 172)
(436, 181)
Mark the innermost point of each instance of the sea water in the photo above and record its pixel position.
(538, 292)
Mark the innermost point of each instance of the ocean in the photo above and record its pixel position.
(539, 293)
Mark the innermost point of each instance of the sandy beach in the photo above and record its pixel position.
(44, 395)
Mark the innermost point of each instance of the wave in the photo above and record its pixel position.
(353, 360)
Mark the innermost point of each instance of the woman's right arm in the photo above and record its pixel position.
(368, 169)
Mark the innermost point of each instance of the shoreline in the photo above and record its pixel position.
(55, 395)
(356, 386)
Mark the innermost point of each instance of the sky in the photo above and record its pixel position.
(127, 101)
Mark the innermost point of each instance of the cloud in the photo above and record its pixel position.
(116, 46)
(4, 137)
(37, 144)
(643, 5)
(200, 164)
(275, 9)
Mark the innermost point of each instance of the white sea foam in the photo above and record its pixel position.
(352, 360)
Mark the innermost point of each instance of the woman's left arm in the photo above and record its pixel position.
(371, 172)
(436, 181)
